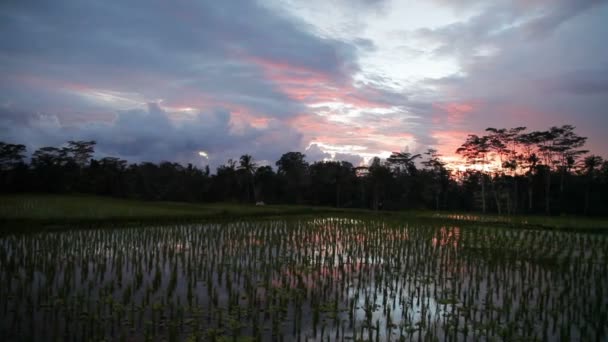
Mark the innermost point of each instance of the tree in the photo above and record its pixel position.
(592, 168)
(49, 166)
(329, 179)
(48, 156)
(503, 143)
(528, 160)
(568, 146)
(248, 167)
(403, 162)
(345, 175)
(107, 176)
(379, 175)
(505, 157)
(404, 169)
(294, 170)
(559, 148)
(11, 155)
(225, 181)
(12, 168)
(439, 174)
(265, 183)
(475, 150)
(80, 151)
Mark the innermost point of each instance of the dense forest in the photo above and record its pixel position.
(510, 171)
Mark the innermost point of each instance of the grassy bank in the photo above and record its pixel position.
(36, 211)
(28, 211)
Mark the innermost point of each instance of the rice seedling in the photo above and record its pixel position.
(335, 279)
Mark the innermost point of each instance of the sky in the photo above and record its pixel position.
(203, 81)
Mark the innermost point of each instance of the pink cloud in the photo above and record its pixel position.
(448, 141)
(456, 111)
(311, 86)
(375, 139)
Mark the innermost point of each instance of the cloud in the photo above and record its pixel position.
(578, 82)
(151, 135)
(179, 52)
(558, 14)
(156, 80)
(531, 79)
(314, 153)
(354, 159)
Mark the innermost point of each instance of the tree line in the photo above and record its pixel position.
(508, 171)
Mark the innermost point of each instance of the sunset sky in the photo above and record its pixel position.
(204, 81)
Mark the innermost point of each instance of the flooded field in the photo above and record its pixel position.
(326, 279)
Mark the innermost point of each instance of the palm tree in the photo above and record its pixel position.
(248, 167)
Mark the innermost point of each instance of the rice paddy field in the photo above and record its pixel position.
(335, 278)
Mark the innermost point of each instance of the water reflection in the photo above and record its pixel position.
(301, 280)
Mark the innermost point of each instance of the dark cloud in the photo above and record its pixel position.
(579, 82)
(148, 33)
(177, 51)
(74, 69)
(500, 24)
(558, 13)
(520, 70)
(150, 135)
(234, 77)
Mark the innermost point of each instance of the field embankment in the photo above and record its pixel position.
(41, 211)
(47, 211)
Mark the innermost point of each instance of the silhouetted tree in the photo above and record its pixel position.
(80, 151)
(510, 159)
(294, 171)
(11, 155)
(403, 162)
(265, 181)
(248, 167)
(567, 146)
(379, 175)
(225, 182)
(439, 175)
(13, 170)
(107, 176)
(558, 147)
(329, 179)
(476, 150)
(592, 166)
(404, 170)
(503, 142)
(529, 160)
(50, 168)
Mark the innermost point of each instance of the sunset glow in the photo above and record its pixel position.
(354, 79)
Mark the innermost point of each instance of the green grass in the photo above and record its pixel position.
(531, 221)
(25, 211)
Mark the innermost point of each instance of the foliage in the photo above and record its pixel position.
(511, 171)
